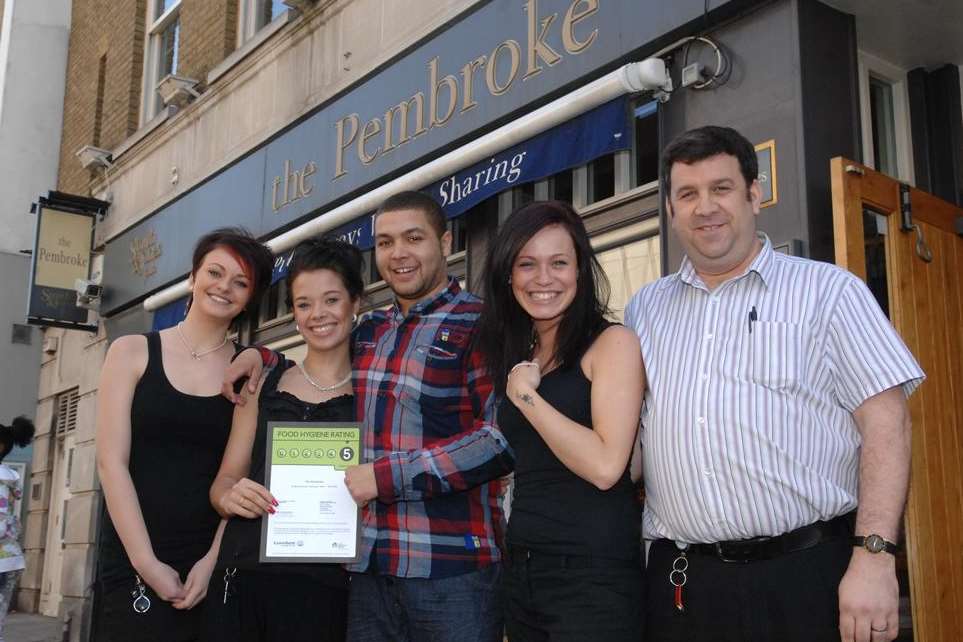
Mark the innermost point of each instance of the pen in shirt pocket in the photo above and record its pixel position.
(753, 317)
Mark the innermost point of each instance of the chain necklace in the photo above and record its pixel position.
(194, 353)
(314, 383)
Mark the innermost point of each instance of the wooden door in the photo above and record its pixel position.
(914, 264)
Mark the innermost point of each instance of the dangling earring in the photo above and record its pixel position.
(297, 328)
(509, 279)
(354, 319)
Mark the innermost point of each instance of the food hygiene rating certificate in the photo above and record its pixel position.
(316, 518)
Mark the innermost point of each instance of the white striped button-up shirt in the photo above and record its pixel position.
(747, 425)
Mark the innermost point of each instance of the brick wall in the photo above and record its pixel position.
(105, 70)
(106, 45)
(208, 35)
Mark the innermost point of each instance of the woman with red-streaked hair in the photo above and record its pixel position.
(162, 426)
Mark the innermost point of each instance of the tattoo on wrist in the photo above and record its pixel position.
(527, 398)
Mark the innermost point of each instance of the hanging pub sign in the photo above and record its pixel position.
(61, 261)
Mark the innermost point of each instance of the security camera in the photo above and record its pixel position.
(93, 157)
(88, 294)
(650, 75)
(177, 90)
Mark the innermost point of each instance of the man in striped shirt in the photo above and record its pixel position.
(429, 553)
(776, 406)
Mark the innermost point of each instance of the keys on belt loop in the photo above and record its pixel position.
(141, 603)
(677, 576)
(229, 574)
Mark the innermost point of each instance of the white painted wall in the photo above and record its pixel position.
(33, 67)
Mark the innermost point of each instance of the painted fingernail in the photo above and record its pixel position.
(274, 501)
(271, 510)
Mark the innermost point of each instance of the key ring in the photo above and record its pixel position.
(141, 603)
(677, 576)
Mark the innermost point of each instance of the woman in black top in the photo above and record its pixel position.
(571, 386)
(161, 429)
(291, 602)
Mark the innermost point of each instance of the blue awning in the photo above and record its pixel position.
(601, 131)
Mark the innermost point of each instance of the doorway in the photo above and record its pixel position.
(907, 245)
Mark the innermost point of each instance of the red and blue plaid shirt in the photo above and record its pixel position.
(426, 405)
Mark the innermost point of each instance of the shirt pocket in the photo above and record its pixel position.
(775, 354)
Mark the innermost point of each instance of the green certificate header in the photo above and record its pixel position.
(299, 445)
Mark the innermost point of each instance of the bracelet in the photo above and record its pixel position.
(523, 364)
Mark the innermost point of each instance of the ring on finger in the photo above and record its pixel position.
(875, 630)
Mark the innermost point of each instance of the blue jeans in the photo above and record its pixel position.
(463, 608)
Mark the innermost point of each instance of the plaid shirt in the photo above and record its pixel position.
(425, 402)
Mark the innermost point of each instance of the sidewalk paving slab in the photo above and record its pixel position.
(30, 627)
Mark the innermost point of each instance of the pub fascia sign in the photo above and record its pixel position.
(448, 96)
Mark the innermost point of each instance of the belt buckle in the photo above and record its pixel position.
(736, 552)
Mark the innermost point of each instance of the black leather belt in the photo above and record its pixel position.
(766, 548)
(520, 555)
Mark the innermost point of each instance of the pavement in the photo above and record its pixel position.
(30, 627)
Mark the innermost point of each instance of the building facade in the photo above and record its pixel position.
(296, 118)
(30, 129)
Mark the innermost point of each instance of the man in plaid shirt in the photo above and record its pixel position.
(429, 558)
(429, 553)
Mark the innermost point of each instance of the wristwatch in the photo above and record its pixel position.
(875, 544)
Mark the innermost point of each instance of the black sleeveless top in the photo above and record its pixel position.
(240, 546)
(176, 443)
(553, 509)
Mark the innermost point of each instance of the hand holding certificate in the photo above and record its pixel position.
(316, 520)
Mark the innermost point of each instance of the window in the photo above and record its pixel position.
(161, 51)
(646, 143)
(65, 419)
(630, 256)
(254, 15)
(883, 126)
(884, 106)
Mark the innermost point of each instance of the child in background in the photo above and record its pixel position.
(20, 432)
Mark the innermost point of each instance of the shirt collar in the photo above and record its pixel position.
(763, 265)
(430, 304)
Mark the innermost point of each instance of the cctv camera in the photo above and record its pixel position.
(91, 157)
(649, 75)
(88, 294)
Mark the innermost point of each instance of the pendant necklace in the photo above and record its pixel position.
(197, 355)
(314, 383)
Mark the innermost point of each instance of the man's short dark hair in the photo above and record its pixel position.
(411, 200)
(705, 142)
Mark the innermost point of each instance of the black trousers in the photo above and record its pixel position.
(793, 597)
(571, 605)
(117, 621)
(274, 607)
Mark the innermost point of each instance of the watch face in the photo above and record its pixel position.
(875, 543)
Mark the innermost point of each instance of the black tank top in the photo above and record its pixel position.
(240, 546)
(553, 509)
(176, 445)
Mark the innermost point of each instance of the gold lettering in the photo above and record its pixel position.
(402, 108)
(468, 81)
(537, 47)
(339, 169)
(452, 85)
(368, 132)
(290, 180)
(274, 194)
(491, 72)
(303, 188)
(572, 17)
